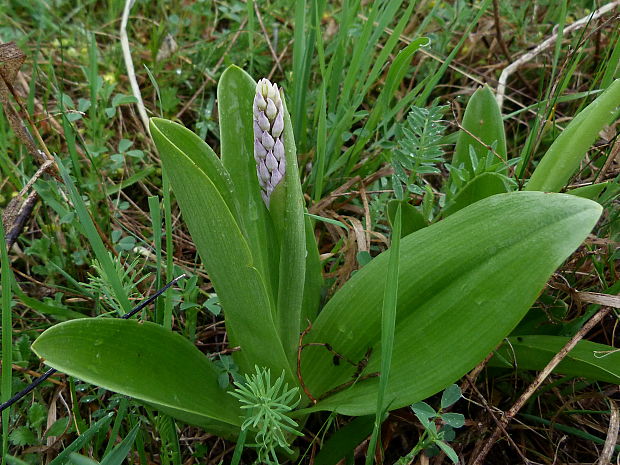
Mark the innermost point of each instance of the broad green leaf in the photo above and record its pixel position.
(283, 253)
(226, 255)
(483, 119)
(287, 213)
(199, 152)
(411, 218)
(465, 283)
(587, 359)
(235, 95)
(482, 186)
(145, 361)
(314, 278)
(565, 154)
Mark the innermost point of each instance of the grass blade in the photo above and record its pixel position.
(563, 157)
(82, 440)
(91, 233)
(7, 340)
(388, 325)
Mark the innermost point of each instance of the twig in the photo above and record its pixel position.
(613, 156)
(486, 406)
(503, 78)
(612, 435)
(557, 358)
(477, 139)
(271, 49)
(504, 47)
(300, 347)
(131, 73)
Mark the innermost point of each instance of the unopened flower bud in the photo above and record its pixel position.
(269, 151)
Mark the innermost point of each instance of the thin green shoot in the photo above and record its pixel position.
(7, 340)
(154, 208)
(388, 326)
(94, 239)
(169, 250)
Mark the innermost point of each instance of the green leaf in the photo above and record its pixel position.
(58, 427)
(171, 137)
(145, 361)
(287, 213)
(477, 272)
(565, 154)
(37, 414)
(82, 440)
(119, 453)
(456, 420)
(587, 359)
(450, 395)
(222, 246)
(592, 192)
(388, 323)
(449, 451)
(327, 220)
(235, 94)
(285, 249)
(482, 186)
(22, 436)
(77, 459)
(483, 119)
(411, 218)
(577, 432)
(422, 409)
(313, 283)
(91, 233)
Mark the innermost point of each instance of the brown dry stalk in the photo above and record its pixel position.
(510, 414)
(612, 435)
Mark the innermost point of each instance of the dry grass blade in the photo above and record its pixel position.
(548, 43)
(131, 73)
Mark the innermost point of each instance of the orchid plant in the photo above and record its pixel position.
(459, 285)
